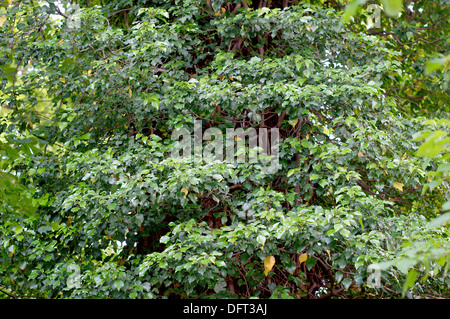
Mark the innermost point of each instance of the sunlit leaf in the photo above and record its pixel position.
(185, 191)
(398, 186)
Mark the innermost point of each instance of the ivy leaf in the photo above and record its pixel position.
(345, 232)
(220, 286)
(261, 240)
(269, 262)
(303, 257)
(398, 186)
(294, 122)
(310, 262)
(346, 283)
(118, 284)
(185, 191)
(164, 239)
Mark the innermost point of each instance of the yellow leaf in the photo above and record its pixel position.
(185, 191)
(268, 264)
(237, 138)
(303, 257)
(10, 1)
(63, 80)
(2, 20)
(220, 11)
(262, 247)
(326, 130)
(294, 123)
(308, 27)
(399, 186)
(130, 93)
(89, 73)
(360, 154)
(328, 252)
(307, 136)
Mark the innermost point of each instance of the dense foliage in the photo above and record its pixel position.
(94, 205)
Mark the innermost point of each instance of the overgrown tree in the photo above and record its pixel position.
(112, 214)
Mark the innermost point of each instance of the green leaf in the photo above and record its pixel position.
(323, 183)
(133, 295)
(441, 220)
(434, 65)
(338, 276)
(261, 239)
(410, 280)
(164, 239)
(310, 262)
(85, 136)
(118, 284)
(345, 232)
(346, 283)
(18, 229)
(404, 264)
(292, 171)
(351, 8)
(392, 7)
